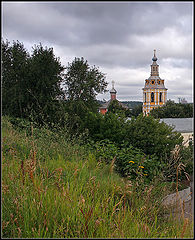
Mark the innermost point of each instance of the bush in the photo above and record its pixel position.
(151, 136)
(128, 161)
(186, 154)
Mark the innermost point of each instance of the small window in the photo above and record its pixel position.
(152, 82)
(152, 97)
(158, 81)
(160, 97)
(145, 97)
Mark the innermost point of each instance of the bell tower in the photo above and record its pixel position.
(154, 91)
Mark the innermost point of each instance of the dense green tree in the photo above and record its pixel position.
(173, 110)
(82, 84)
(116, 107)
(14, 78)
(136, 110)
(109, 126)
(44, 85)
(132, 104)
(31, 84)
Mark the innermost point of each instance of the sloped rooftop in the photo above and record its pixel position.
(183, 125)
(106, 104)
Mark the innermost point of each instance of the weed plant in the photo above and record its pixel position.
(54, 188)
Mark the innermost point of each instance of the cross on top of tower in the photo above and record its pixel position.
(154, 58)
(112, 83)
(113, 90)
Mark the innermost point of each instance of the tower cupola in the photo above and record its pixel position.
(154, 58)
(154, 66)
(113, 92)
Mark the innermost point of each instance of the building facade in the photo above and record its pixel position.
(154, 91)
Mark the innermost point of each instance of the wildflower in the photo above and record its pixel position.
(143, 208)
(131, 162)
(145, 174)
(141, 167)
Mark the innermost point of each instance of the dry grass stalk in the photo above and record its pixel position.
(186, 221)
(112, 164)
(180, 167)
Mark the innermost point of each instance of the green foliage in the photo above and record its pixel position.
(151, 136)
(106, 151)
(54, 188)
(173, 110)
(187, 158)
(136, 110)
(129, 161)
(153, 140)
(14, 78)
(110, 126)
(31, 84)
(44, 88)
(117, 108)
(82, 84)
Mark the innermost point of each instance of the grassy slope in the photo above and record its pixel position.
(53, 188)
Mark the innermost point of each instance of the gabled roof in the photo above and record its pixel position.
(106, 105)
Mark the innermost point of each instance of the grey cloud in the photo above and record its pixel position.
(111, 35)
(89, 23)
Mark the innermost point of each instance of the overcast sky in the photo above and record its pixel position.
(118, 37)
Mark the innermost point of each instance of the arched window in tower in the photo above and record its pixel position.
(160, 97)
(152, 97)
(145, 97)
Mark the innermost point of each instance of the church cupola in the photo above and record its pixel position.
(154, 58)
(113, 92)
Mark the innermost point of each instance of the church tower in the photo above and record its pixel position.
(154, 91)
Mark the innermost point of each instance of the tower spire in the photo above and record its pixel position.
(154, 58)
(113, 92)
(113, 84)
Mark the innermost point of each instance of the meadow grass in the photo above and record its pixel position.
(54, 188)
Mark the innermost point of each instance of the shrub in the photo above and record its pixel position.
(151, 136)
(129, 161)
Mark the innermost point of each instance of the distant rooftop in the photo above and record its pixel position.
(106, 104)
(183, 125)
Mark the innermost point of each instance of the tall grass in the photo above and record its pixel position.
(54, 188)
